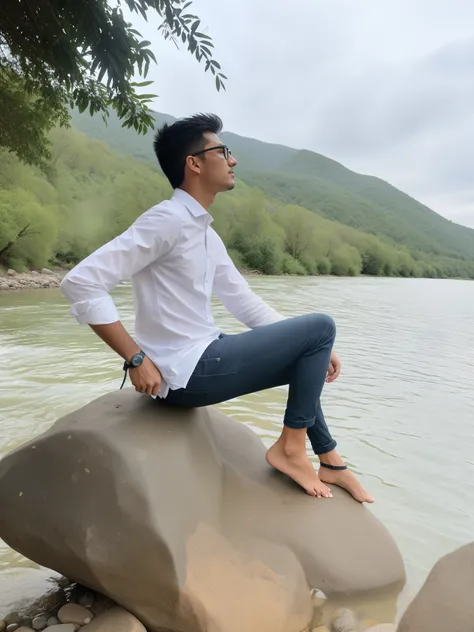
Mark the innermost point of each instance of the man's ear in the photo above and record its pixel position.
(193, 164)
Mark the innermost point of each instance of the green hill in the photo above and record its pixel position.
(94, 192)
(319, 184)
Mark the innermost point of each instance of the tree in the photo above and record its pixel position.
(298, 224)
(84, 54)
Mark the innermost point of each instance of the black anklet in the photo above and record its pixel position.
(333, 467)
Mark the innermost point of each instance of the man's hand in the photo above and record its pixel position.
(334, 369)
(146, 378)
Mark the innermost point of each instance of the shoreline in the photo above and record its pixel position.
(11, 281)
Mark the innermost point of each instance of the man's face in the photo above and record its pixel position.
(217, 165)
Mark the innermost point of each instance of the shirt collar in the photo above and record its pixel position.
(190, 203)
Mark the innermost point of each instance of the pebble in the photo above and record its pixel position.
(87, 600)
(12, 627)
(13, 617)
(318, 598)
(25, 629)
(40, 622)
(115, 620)
(52, 621)
(345, 621)
(46, 271)
(3, 625)
(321, 628)
(383, 627)
(64, 627)
(74, 613)
(11, 272)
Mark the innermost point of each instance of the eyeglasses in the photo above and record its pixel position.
(225, 150)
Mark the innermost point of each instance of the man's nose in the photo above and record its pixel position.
(233, 161)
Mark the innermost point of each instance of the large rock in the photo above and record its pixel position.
(176, 516)
(445, 602)
(27, 591)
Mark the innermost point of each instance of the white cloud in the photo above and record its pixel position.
(384, 87)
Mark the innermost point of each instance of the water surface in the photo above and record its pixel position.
(402, 410)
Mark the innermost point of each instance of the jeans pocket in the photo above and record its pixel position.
(207, 367)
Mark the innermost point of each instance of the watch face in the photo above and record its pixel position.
(137, 360)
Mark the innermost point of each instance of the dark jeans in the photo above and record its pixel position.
(295, 351)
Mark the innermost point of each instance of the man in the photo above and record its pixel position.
(175, 261)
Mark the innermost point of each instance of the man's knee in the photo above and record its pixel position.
(321, 324)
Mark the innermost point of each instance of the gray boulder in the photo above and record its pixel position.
(445, 602)
(176, 516)
(27, 591)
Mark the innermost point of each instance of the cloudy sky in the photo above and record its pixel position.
(384, 86)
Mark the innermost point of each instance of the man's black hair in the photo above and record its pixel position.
(174, 143)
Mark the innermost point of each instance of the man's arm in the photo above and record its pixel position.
(237, 296)
(87, 286)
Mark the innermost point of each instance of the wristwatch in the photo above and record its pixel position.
(135, 361)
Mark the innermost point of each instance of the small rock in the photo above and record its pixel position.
(115, 619)
(74, 613)
(11, 272)
(383, 627)
(87, 600)
(40, 622)
(13, 617)
(25, 629)
(12, 627)
(345, 621)
(321, 628)
(34, 272)
(3, 625)
(64, 627)
(52, 621)
(318, 598)
(46, 271)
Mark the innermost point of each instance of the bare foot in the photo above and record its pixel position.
(347, 480)
(298, 467)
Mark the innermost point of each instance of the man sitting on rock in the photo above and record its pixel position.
(175, 261)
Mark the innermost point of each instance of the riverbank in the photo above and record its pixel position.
(31, 280)
(51, 602)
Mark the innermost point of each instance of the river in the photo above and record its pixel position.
(402, 410)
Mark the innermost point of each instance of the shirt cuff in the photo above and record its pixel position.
(97, 311)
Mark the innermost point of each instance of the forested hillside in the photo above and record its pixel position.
(94, 193)
(322, 185)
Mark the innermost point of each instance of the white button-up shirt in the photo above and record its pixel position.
(175, 260)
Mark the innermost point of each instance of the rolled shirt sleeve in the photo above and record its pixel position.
(236, 295)
(88, 285)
